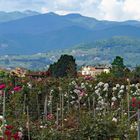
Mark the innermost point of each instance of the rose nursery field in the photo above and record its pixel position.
(68, 108)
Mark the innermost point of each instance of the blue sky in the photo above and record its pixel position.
(118, 10)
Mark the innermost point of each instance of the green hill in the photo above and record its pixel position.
(104, 51)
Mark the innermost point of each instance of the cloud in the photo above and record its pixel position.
(131, 7)
(120, 9)
(88, 7)
(20, 5)
(101, 9)
(111, 9)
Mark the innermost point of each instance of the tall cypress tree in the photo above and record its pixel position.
(64, 67)
(118, 67)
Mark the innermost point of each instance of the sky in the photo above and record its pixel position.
(114, 10)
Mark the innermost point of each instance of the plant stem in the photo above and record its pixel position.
(24, 104)
(3, 122)
(57, 115)
(45, 106)
(28, 123)
(38, 110)
(62, 110)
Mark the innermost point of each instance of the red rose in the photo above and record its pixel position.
(7, 132)
(133, 99)
(9, 127)
(2, 86)
(17, 88)
(16, 136)
(50, 117)
(134, 105)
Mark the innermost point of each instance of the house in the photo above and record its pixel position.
(19, 72)
(93, 71)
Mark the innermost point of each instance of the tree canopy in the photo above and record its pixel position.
(118, 67)
(64, 67)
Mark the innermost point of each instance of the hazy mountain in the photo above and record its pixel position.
(104, 51)
(45, 32)
(8, 16)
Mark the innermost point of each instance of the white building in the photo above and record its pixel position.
(93, 71)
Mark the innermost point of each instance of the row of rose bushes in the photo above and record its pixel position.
(68, 106)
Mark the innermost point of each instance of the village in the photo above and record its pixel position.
(84, 71)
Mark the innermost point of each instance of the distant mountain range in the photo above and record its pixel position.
(31, 32)
(8, 16)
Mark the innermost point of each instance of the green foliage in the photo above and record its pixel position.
(118, 62)
(104, 76)
(136, 72)
(3, 73)
(64, 67)
(118, 67)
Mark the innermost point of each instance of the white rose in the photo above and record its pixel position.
(114, 99)
(114, 119)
